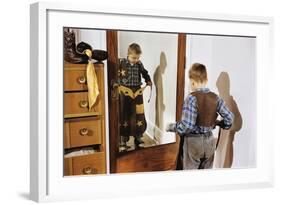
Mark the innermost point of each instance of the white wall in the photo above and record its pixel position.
(152, 45)
(96, 38)
(236, 56)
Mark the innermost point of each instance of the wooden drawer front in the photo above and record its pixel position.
(85, 165)
(83, 132)
(75, 80)
(77, 103)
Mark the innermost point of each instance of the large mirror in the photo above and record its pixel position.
(147, 63)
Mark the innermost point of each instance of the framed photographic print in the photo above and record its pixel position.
(129, 102)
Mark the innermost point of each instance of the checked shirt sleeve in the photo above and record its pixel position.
(144, 72)
(189, 115)
(226, 114)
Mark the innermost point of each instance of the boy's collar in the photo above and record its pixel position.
(128, 62)
(205, 89)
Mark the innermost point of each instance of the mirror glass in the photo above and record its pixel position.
(144, 110)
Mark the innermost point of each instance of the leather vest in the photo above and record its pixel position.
(206, 108)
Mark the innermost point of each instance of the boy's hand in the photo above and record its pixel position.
(149, 83)
(170, 127)
(221, 124)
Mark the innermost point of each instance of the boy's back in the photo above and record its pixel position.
(207, 103)
(199, 118)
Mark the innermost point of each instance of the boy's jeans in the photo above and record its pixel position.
(198, 151)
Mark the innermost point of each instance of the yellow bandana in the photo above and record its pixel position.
(92, 81)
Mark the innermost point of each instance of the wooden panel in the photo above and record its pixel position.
(180, 90)
(86, 164)
(87, 114)
(158, 158)
(112, 62)
(68, 170)
(72, 66)
(84, 131)
(66, 135)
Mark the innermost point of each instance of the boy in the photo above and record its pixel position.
(199, 118)
(132, 118)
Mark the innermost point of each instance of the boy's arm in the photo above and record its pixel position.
(188, 120)
(226, 114)
(144, 73)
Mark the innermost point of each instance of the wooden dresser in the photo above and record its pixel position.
(84, 130)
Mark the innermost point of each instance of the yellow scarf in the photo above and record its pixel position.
(92, 81)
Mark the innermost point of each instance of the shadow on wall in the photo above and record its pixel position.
(224, 152)
(159, 102)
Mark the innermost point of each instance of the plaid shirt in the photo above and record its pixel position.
(189, 115)
(130, 74)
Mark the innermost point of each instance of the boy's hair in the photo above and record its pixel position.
(134, 48)
(198, 73)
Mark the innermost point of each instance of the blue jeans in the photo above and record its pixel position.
(198, 151)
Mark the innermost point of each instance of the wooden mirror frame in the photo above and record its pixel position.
(147, 158)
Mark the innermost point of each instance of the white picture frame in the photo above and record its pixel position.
(46, 176)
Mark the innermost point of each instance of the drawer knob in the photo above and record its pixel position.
(84, 131)
(83, 103)
(82, 79)
(88, 170)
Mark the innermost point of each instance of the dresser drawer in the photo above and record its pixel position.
(80, 132)
(85, 165)
(77, 103)
(75, 78)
